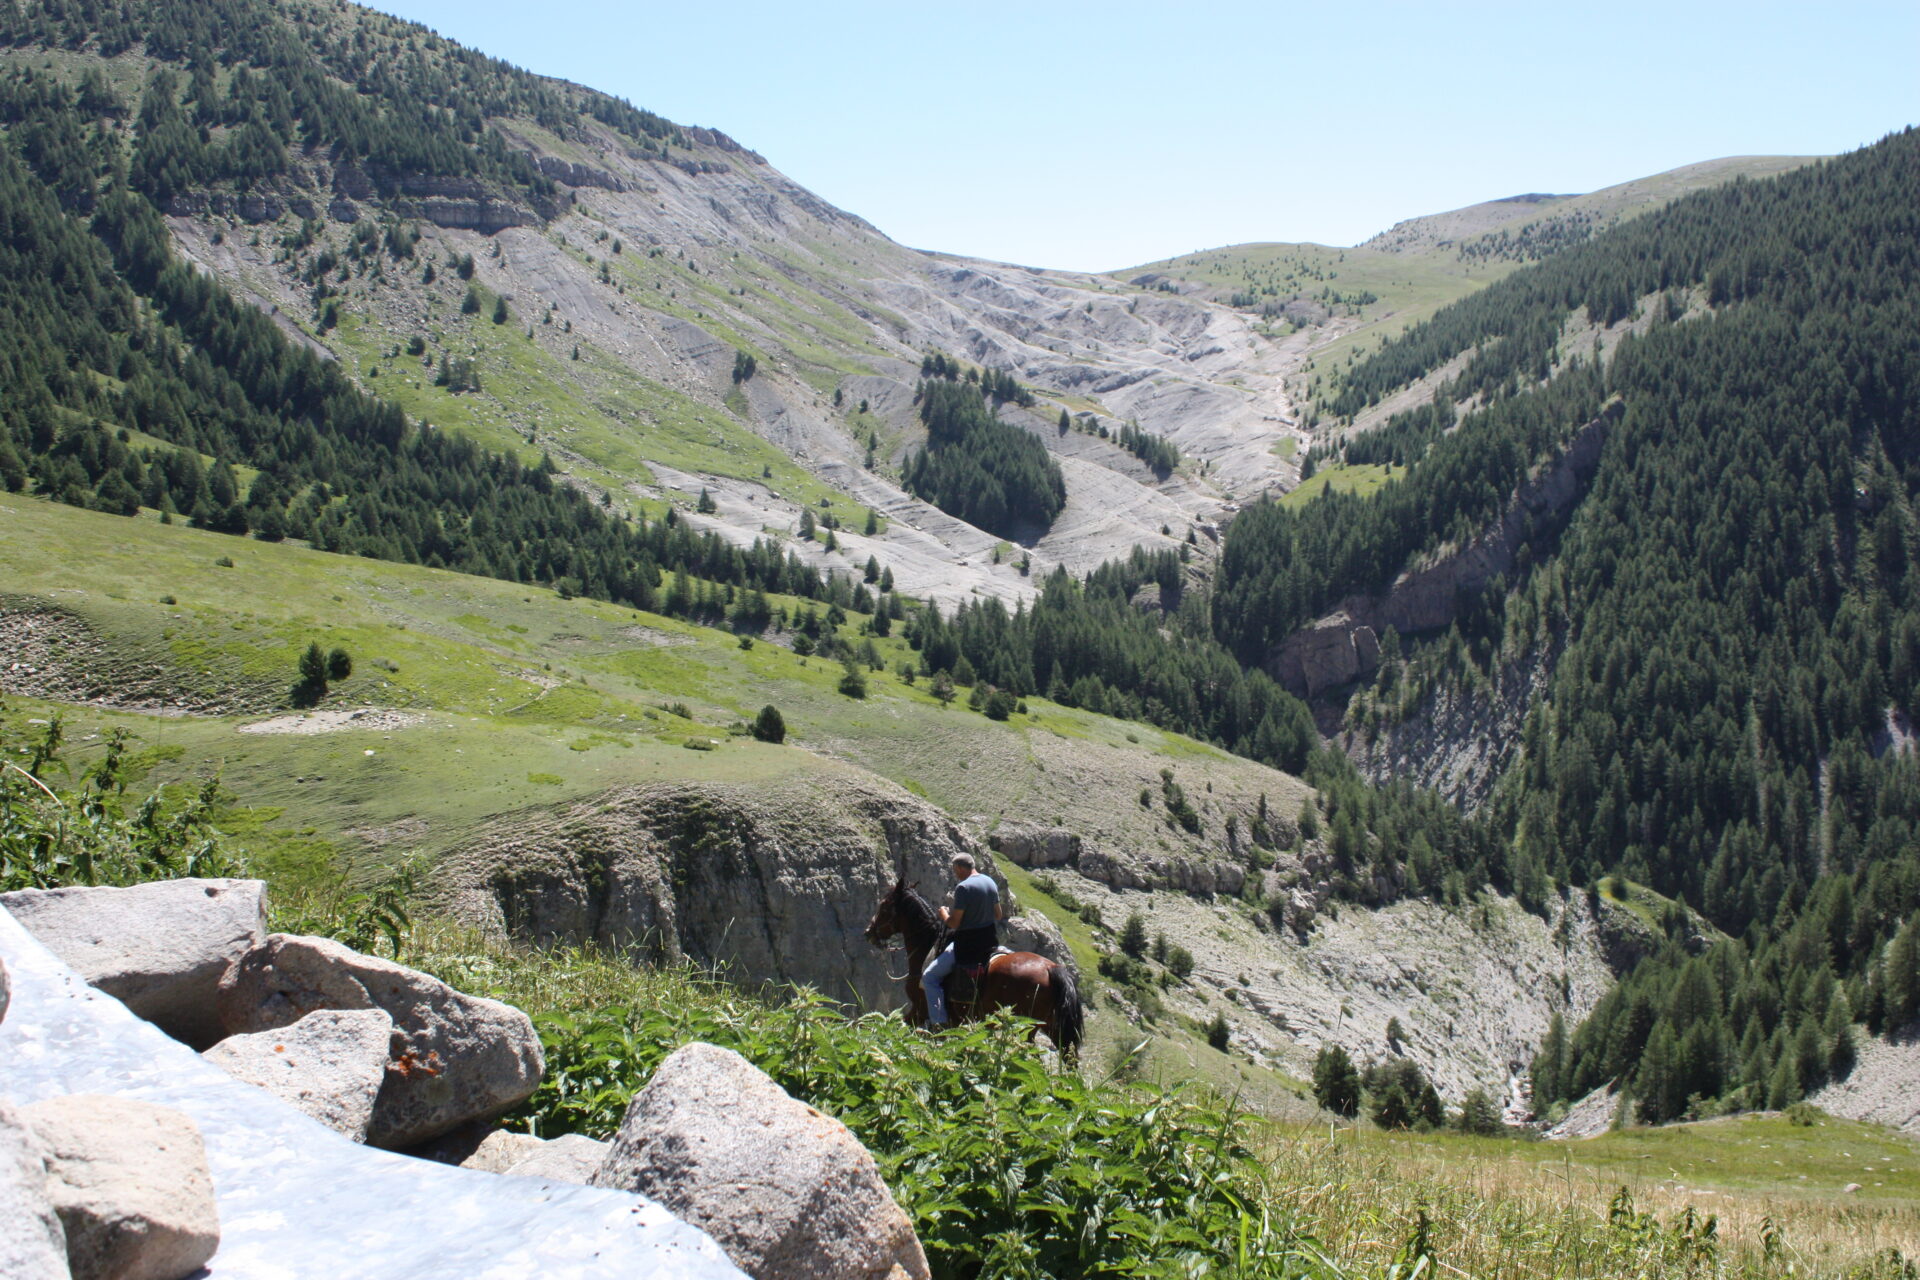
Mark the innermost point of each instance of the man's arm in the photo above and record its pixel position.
(999, 909)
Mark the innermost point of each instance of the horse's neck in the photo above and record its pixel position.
(923, 936)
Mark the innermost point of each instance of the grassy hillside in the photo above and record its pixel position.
(516, 696)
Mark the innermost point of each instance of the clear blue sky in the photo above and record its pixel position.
(1099, 135)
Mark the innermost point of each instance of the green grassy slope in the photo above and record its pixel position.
(525, 698)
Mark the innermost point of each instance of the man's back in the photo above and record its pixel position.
(974, 900)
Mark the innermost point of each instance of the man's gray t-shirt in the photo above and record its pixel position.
(974, 900)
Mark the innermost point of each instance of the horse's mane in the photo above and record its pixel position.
(919, 919)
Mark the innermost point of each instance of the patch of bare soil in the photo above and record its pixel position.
(655, 637)
(332, 721)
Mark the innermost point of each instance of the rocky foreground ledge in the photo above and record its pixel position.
(125, 1153)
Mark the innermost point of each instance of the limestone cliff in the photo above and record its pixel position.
(768, 882)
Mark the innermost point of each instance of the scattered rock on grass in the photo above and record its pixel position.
(330, 1064)
(129, 1180)
(160, 948)
(788, 1192)
(454, 1058)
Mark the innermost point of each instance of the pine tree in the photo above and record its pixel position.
(1336, 1082)
(769, 725)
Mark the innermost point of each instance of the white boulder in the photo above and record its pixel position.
(129, 1180)
(453, 1058)
(33, 1244)
(330, 1064)
(787, 1191)
(160, 948)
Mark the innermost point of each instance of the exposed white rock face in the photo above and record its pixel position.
(130, 1182)
(788, 1192)
(453, 1058)
(160, 947)
(1884, 1085)
(573, 1157)
(775, 881)
(33, 1244)
(1590, 1117)
(6, 992)
(330, 1065)
(290, 1188)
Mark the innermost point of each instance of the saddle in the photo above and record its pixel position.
(964, 983)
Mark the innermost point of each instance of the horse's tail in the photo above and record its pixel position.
(1069, 1018)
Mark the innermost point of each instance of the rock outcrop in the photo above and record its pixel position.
(1027, 846)
(573, 1158)
(1344, 645)
(454, 1058)
(330, 1065)
(1590, 1117)
(33, 1244)
(1045, 847)
(787, 1191)
(160, 948)
(770, 882)
(130, 1182)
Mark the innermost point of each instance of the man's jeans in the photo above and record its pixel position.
(932, 978)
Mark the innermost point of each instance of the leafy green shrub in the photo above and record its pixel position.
(1006, 1167)
(87, 835)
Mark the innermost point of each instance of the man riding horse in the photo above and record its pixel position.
(971, 935)
(1025, 983)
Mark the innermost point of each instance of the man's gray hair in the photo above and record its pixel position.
(962, 859)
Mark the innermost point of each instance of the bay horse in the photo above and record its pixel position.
(1030, 985)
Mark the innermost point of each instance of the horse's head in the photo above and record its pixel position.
(886, 917)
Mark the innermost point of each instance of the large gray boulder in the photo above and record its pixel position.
(130, 1182)
(572, 1157)
(33, 1244)
(453, 1058)
(160, 948)
(787, 1191)
(330, 1064)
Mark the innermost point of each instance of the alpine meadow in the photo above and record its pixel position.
(538, 655)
